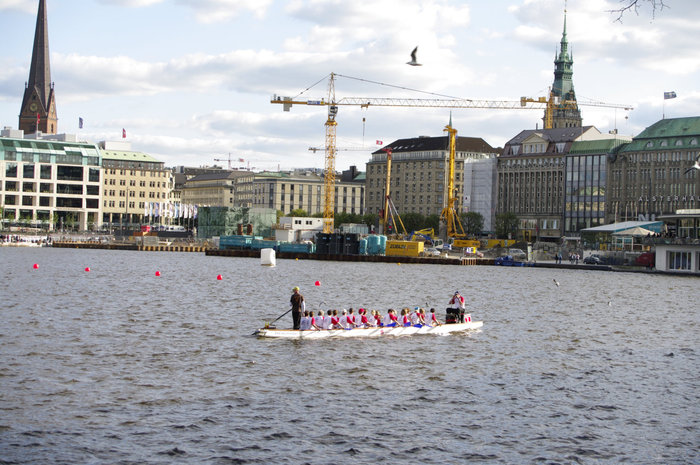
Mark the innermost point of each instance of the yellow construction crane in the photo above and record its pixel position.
(449, 213)
(366, 102)
(555, 103)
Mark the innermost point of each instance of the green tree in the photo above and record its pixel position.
(370, 219)
(504, 224)
(412, 221)
(472, 222)
(298, 212)
(432, 221)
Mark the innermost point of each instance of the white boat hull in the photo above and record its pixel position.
(367, 332)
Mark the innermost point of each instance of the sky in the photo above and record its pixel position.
(191, 80)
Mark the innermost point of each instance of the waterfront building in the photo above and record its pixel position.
(531, 178)
(133, 181)
(303, 189)
(649, 177)
(586, 182)
(49, 183)
(419, 170)
(38, 110)
(297, 228)
(223, 188)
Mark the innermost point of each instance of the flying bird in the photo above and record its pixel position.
(555, 281)
(413, 61)
(696, 166)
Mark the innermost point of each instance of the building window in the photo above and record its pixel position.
(11, 170)
(679, 261)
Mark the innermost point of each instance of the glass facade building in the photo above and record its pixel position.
(586, 183)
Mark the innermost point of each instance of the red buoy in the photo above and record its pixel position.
(157, 273)
(219, 277)
(87, 268)
(317, 283)
(36, 265)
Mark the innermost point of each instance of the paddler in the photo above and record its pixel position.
(298, 306)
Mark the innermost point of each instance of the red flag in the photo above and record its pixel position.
(241, 160)
(123, 133)
(38, 118)
(379, 142)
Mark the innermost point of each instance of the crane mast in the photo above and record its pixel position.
(449, 213)
(387, 193)
(329, 171)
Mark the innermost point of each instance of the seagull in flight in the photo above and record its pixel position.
(555, 281)
(696, 166)
(413, 61)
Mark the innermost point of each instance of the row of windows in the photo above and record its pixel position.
(661, 157)
(65, 202)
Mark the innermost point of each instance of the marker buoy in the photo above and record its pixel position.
(317, 283)
(157, 273)
(218, 277)
(87, 268)
(36, 265)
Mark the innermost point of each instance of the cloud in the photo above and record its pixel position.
(213, 11)
(132, 3)
(25, 6)
(659, 43)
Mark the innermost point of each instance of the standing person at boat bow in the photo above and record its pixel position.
(455, 309)
(298, 306)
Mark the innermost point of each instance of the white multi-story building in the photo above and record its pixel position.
(49, 183)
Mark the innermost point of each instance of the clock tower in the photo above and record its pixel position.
(38, 111)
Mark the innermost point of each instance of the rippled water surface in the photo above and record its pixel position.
(118, 366)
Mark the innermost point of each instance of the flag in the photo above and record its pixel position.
(240, 160)
(379, 142)
(668, 95)
(80, 122)
(123, 133)
(38, 119)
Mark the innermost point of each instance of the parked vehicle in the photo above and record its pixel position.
(432, 252)
(593, 260)
(517, 254)
(646, 259)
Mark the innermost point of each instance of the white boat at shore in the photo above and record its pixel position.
(367, 332)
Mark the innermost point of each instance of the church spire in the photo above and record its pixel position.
(38, 111)
(564, 114)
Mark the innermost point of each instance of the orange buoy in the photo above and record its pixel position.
(218, 277)
(36, 265)
(157, 273)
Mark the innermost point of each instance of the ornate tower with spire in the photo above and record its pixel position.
(38, 111)
(565, 111)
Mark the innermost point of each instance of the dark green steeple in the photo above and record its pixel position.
(565, 114)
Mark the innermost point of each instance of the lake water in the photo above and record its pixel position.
(118, 366)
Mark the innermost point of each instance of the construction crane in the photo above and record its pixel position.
(555, 103)
(366, 102)
(229, 160)
(389, 208)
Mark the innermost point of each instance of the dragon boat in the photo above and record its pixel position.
(382, 331)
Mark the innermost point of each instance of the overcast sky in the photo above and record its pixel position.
(191, 80)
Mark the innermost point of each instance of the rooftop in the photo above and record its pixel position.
(424, 144)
